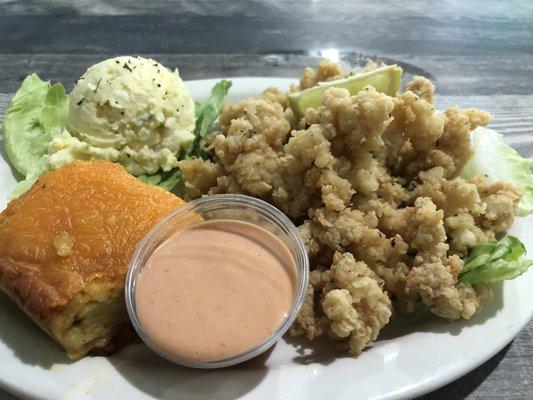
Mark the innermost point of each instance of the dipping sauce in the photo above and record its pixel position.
(215, 290)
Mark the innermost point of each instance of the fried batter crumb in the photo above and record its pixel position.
(325, 70)
(360, 308)
(373, 183)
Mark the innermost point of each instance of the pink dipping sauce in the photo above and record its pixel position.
(215, 290)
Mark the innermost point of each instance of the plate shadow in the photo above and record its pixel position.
(422, 320)
(145, 370)
(319, 351)
(27, 341)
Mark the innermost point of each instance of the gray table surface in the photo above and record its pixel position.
(479, 54)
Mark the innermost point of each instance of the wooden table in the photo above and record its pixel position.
(479, 55)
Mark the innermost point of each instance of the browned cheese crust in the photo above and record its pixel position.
(65, 246)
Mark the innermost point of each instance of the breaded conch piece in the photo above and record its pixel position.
(373, 181)
(65, 246)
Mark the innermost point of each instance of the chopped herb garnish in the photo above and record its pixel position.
(79, 103)
(126, 66)
(97, 84)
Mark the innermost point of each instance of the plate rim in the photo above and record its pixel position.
(405, 393)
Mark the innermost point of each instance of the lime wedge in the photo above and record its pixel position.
(385, 80)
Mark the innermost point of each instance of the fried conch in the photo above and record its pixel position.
(65, 246)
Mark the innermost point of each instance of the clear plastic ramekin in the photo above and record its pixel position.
(225, 206)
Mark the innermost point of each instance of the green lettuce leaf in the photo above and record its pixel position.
(206, 115)
(494, 262)
(499, 162)
(167, 180)
(36, 114)
(151, 179)
(32, 177)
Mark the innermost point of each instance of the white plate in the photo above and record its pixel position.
(414, 354)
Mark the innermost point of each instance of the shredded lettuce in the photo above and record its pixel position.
(167, 180)
(499, 162)
(32, 177)
(36, 114)
(494, 262)
(206, 115)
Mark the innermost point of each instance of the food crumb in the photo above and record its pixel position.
(63, 243)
